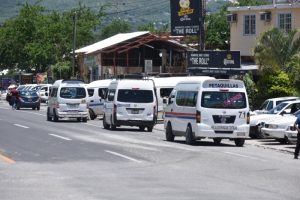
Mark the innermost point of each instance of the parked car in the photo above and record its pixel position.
(258, 121)
(272, 103)
(28, 99)
(281, 128)
(44, 92)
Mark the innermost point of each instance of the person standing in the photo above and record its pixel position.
(297, 126)
(14, 97)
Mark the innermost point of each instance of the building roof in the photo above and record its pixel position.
(265, 7)
(121, 37)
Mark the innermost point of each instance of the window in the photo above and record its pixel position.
(230, 100)
(186, 98)
(111, 95)
(54, 92)
(72, 92)
(90, 92)
(165, 92)
(249, 25)
(102, 92)
(285, 21)
(135, 96)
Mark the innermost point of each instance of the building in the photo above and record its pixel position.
(249, 22)
(128, 53)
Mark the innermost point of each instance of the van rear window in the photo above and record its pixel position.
(72, 92)
(228, 100)
(135, 96)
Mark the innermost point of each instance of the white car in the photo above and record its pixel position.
(258, 121)
(272, 103)
(281, 128)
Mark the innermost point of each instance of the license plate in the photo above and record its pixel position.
(224, 128)
(73, 112)
(72, 105)
(134, 111)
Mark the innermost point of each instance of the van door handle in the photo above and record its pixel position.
(171, 110)
(92, 101)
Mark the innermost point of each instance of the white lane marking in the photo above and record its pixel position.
(33, 113)
(61, 137)
(93, 125)
(123, 156)
(21, 126)
(244, 156)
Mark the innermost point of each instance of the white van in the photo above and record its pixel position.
(208, 108)
(164, 87)
(44, 92)
(97, 92)
(68, 99)
(130, 103)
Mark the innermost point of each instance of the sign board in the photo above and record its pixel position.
(186, 17)
(214, 59)
(148, 66)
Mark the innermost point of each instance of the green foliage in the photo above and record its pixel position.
(273, 85)
(116, 26)
(253, 2)
(217, 31)
(62, 70)
(252, 90)
(152, 28)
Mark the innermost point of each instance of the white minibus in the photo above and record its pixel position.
(68, 99)
(215, 108)
(164, 87)
(130, 103)
(97, 92)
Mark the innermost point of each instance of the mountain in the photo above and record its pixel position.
(134, 11)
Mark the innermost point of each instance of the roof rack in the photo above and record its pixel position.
(72, 81)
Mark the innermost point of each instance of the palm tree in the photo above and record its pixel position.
(276, 48)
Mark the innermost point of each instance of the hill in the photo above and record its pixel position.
(134, 11)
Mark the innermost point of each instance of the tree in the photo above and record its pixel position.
(152, 28)
(36, 39)
(115, 27)
(276, 48)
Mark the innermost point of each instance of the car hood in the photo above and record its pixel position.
(257, 119)
(282, 120)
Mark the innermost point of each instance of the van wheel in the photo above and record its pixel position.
(142, 128)
(149, 128)
(105, 125)
(217, 141)
(55, 117)
(239, 142)
(169, 133)
(33, 108)
(49, 118)
(38, 108)
(92, 115)
(189, 137)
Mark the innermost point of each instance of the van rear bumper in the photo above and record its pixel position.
(134, 123)
(241, 131)
(72, 114)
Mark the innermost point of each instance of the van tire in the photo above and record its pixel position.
(49, 118)
(55, 117)
(92, 115)
(149, 128)
(217, 141)
(105, 125)
(112, 125)
(239, 142)
(189, 136)
(169, 133)
(84, 119)
(142, 128)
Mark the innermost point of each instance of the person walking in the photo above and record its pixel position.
(14, 97)
(297, 126)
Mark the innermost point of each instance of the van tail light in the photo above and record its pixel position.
(198, 116)
(248, 118)
(154, 111)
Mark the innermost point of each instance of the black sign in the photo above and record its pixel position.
(210, 72)
(214, 59)
(186, 17)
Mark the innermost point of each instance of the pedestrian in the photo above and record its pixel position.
(297, 127)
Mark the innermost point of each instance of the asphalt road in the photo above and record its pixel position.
(72, 160)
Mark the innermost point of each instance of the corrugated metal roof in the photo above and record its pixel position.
(121, 37)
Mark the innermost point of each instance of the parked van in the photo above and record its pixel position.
(164, 86)
(208, 108)
(68, 99)
(130, 103)
(97, 92)
(44, 92)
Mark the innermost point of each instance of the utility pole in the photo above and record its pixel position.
(74, 43)
(202, 21)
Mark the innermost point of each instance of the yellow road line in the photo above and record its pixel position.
(6, 159)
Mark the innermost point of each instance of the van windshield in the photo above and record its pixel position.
(72, 92)
(228, 100)
(135, 96)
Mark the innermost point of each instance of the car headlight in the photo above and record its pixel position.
(291, 128)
